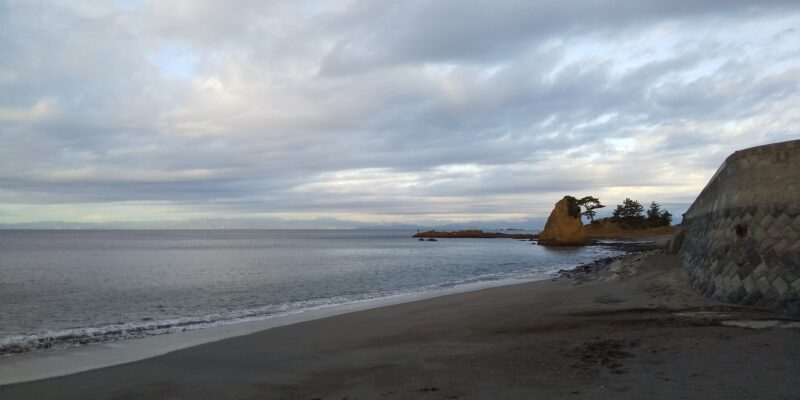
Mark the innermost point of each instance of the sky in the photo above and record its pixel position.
(413, 112)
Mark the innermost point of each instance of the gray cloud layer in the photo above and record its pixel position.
(400, 111)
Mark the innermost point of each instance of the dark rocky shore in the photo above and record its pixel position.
(601, 265)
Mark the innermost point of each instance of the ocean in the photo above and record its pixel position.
(72, 287)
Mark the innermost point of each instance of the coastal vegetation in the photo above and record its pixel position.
(630, 215)
(606, 229)
(629, 219)
(590, 203)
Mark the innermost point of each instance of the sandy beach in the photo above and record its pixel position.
(341, 200)
(634, 331)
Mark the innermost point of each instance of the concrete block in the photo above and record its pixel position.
(761, 269)
(718, 283)
(775, 231)
(780, 286)
(766, 222)
(753, 257)
(747, 268)
(738, 257)
(781, 246)
(759, 214)
(763, 284)
(730, 269)
(736, 282)
(793, 209)
(757, 233)
(714, 267)
(790, 275)
(707, 288)
(790, 235)
(771, 258)
(796, 223)
(783, 220)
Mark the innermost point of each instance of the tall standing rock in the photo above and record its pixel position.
(564, 226)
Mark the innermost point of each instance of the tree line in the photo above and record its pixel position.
(629, 214)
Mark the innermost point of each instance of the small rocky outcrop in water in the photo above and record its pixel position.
(564, 226)
(473, 233)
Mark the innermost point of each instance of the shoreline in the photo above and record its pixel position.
(50, 363)
(73, 341)
(78, 344)
(622, 333)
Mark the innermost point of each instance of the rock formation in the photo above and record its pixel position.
(564, 226)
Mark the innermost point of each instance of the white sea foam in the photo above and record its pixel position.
(46, 364)
(160, 283)
(59, 339)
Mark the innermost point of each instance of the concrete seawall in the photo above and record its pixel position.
(742, 234)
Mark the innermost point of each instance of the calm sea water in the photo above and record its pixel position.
(62, 288)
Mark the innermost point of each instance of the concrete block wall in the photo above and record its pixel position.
(742, 234)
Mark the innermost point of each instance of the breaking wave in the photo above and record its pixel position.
(57, 339)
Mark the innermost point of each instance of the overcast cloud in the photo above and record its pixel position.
(375, 111)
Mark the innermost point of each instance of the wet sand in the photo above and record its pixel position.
(635, 332)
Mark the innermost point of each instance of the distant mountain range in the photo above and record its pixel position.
(278, 223)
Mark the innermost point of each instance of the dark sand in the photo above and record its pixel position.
(644, 336)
